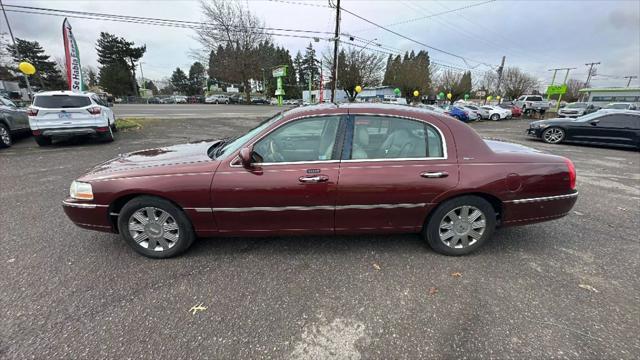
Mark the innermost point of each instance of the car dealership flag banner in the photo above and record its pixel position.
(72, 58)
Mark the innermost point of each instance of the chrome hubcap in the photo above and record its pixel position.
(4, 135)
(553, 135)
(154, 229)
(462, 227)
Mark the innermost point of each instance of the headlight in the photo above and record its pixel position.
(542, 126)
(81, 191)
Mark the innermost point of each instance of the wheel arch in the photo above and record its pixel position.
(495, 202)
(116, 206)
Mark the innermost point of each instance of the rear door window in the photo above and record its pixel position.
(61, 101)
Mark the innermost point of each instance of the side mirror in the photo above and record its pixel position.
(246, 156)
(594, 122)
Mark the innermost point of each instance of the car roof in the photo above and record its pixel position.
(64, 92)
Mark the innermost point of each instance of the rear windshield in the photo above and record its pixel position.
(61, 101)
(534, 98)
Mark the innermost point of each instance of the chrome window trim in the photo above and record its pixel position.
(445, 154)
(269, 131)
(544, 198)
(444, 143)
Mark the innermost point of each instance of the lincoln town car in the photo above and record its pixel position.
(326, 170)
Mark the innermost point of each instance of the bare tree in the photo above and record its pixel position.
(573, 86)
(356, 67)
(515, 83)
(239, 32)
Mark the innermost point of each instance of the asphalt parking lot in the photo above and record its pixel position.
(563, 289)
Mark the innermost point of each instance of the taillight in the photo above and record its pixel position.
(36, 132)
(572, 174)
(94, 110)
(32, 112)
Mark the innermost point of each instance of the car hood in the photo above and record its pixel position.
(161, 160)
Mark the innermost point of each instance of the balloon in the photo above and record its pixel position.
(358, 89)
(497, 97)
(466, 96)
(416, 93)
(396, 91)
(489, 98)
(441, 95)
(27, 68)
(449, 96)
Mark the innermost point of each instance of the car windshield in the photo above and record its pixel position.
(617, 106)
(61, 101)
(576, 105)
(234, 144)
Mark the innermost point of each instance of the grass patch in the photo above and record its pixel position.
(128, 123)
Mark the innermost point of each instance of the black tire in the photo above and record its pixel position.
(107, 136)
(6, 139)
(227, 102)
(432, 228)
(185, 237)
(495, 117)
(114, 128)
(553, 130)
(42, 140)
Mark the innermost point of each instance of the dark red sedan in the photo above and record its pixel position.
(328, 169)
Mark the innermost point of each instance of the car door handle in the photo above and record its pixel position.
(313, 179)
(434, 175)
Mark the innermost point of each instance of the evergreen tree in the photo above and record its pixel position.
(310, 70)
(47, 76)
(180, 81)
(117, 57)
(197, 78)
(151, 86)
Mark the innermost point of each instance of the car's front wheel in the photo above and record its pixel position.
(460, 225)
(553, 135)
(5, 136)
(155, 227)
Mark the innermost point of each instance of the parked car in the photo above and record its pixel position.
(217, 99)
(604, 127)
(294, 174)
(531, 103)
(66, 114)
(435, 108)
(622, 106)
(494, 113)
(168, 100)
(236, 99)
(178, 99)
(457, 113)
(13, 121)
(259, 100)
(196, 99)
(154, 100)
(577, 109)
(515, 111)
(474, 112)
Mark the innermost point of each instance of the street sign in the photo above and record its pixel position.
(481, 93)
(279, 71)
(557, 89)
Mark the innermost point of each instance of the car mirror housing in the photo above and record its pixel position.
(246, 156)
(594, 122)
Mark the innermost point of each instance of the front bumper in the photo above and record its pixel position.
(88, 215)
(535, 132)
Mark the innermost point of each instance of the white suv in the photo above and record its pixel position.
(66, 114)
(217, 99)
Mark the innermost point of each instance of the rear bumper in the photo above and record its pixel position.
(88, 215)
(539, 209)
(79, 131)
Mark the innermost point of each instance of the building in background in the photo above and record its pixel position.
(604, 96)
(314, 96)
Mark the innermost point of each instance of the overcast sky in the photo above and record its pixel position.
(533, 35)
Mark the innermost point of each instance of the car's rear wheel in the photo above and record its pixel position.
(107, 136)
(42, 140)
(5, 136)
(495, 117)
(460, 225)
(553, 135)
(155, 227)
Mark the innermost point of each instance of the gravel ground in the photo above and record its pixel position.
(563, 289)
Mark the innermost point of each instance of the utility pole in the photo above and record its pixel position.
(144, 86)
(336, 40)
(590, 65)
(500, 70)
(26, 79)
(630, 77)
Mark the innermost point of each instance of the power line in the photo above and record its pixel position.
(413, 40)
